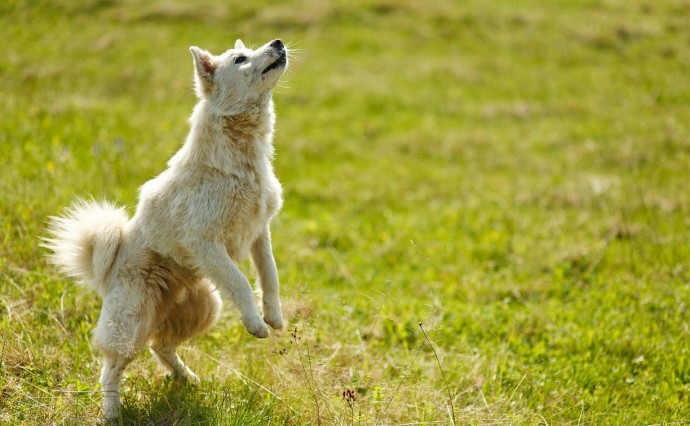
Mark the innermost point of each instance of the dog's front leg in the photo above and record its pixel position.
(213, 262)
(262, 257)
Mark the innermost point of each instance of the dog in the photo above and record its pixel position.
(162, 272)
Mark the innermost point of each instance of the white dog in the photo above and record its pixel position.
(159, 272)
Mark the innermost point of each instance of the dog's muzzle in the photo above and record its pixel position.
(277, 45)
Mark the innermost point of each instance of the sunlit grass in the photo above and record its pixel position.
(514, 175)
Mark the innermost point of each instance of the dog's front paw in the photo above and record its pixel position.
(272, 313)
(257, 328)
(274, 319)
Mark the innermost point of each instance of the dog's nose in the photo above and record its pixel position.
(277, 44)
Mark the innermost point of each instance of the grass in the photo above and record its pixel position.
(511, 174)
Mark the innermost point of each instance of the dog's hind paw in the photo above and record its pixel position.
(111, 410)
(187, 377)
(194, 380)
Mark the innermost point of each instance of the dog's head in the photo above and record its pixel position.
(240, 77)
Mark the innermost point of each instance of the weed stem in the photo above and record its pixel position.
(438, 361)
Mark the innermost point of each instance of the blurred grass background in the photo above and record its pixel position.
(512, 174)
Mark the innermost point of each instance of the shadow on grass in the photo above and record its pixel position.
(172, 403)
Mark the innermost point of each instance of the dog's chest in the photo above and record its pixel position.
(253, 198)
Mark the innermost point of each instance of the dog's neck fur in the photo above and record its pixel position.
(226, 142)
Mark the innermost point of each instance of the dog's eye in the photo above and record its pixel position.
(240, 59)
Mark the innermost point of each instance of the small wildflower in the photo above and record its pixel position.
(350, 397)
(294, 334)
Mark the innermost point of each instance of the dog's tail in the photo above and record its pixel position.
(85, 241)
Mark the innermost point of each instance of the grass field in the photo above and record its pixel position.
(513, 175)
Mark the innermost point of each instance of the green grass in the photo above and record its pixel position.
(515, 175)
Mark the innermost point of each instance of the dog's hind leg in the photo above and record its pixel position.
(191, 316)
(166, 353)
(122, 331)
(110, 384)
(262, 257)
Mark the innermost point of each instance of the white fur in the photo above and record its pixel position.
(160, 273)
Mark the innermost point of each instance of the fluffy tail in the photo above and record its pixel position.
(85, 241)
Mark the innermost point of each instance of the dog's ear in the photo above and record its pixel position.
(239, 44)
(205, 68)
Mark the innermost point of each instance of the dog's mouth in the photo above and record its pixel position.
(279, 63)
